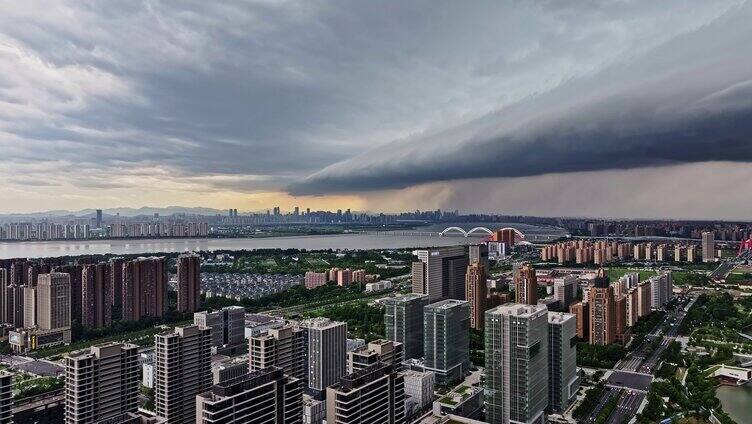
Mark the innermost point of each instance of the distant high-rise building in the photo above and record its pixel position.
(182, 365)
(621, 327)
(99, 218)
(53, 301)
(227, 325)
(6, 397)
(327, 352)
(644, 299)
(565, 290)
(30, 306)
(266, 396)
(479, 253)
(96, 297)
(189, 282)
(76, 278)
(678, 256)
(602, 304)
(475, 293)
(284, 348)
(440, 273)
(661, 290)
(315, 279)
(563, 381)
(101, 383)
(385, 351)
(525, 285)
(144, 288)
(446, 339)
(633, 308)
(344, 277)
(15, 309)
(4, 295)
(661, 253)
(116, 283)
(516, 385)
(691, 253)
(708, 246)
(506, 236)
(372, 395)
(404, 322)
(581, 311)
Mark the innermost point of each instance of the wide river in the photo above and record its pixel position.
(736, 401)
(44, 249)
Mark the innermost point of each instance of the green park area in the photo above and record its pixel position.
(715, 321)
(685, 390)
(295, 262)
(364, 320)
(614, 273)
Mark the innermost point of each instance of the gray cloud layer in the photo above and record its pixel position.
(265, 95)
(687, 100)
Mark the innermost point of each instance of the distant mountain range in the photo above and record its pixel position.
(148, 211)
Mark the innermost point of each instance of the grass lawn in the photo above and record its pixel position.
(269, 262)
(139, 337)
(614, 273)
(314, 261)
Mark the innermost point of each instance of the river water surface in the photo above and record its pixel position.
(737, 401)
(423, 237)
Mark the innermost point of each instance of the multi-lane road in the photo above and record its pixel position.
(727, 266)
(631, 377)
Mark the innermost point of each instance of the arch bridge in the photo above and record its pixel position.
(476, 230)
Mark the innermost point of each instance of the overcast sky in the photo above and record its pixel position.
(599, 108)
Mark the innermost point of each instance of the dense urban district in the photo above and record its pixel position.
(614, 322)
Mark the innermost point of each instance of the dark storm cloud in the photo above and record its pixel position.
(688, 100)
(252, 95)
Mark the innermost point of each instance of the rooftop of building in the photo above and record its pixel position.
(447, 304)
(407, 297)
(320, 322)
(362, 377)
(242, 383)
(416, 373)
(560, 317)
(101, 347)
(458, 395)
(518, 309)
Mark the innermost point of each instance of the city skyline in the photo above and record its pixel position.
(523, 109)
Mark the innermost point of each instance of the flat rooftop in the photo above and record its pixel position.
(446, 304)
(518, 309)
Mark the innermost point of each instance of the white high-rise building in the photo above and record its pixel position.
(661, 290)
(516, 386)
(629, 280)
(565, 290)
(419, 385)
(563, 381)
(327, 352)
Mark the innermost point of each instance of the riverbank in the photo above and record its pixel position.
(46, 249)
(736, 401)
